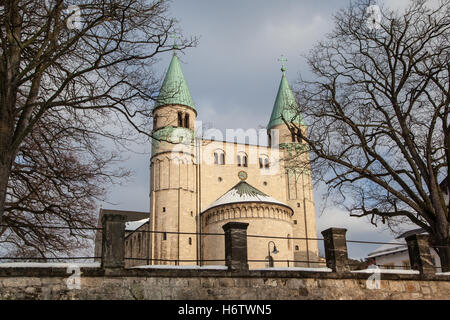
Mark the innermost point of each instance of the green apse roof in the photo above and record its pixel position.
(243, 188)
(174, 89)
(285, 106)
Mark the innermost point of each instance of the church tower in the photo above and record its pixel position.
(294, 162)
(173, 181)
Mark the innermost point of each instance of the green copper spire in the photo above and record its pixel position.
(285, 105)
(174, 89)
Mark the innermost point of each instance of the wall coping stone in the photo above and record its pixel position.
(185, 273)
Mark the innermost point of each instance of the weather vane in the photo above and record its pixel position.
(282, 60)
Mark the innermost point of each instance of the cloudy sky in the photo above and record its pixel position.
(233, 75)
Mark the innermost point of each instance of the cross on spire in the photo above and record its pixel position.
(282, 60)
(174, 36)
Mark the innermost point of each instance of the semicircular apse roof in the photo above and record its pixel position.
(243, 192)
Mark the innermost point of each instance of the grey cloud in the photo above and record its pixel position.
(234, 75)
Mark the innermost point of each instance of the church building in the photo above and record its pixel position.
(197, 185)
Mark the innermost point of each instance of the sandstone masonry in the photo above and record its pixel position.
(136, 284)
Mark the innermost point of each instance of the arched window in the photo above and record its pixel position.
(242, 159)
(263, 161)
(180, 119)
(186, 120)
(219, 157)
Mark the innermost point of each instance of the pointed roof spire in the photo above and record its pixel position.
(285, 106)
(174, 89)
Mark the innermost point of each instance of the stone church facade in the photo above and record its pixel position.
(197, 185)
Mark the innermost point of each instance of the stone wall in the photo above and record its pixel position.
(96, 283)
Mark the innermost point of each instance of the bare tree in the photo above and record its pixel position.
(77, 58)
(59, 174)
(378, 115)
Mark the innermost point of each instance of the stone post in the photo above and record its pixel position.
(336, 249)
(113, 241)
(236, 246)
(419, 253)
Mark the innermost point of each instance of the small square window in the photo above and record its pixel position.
(295, 221)
(164, 209)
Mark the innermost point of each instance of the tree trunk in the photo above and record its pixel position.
(6, 161)
(442, 240)
(5, 171)
(6, 154)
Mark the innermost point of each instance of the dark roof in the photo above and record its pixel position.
(411, 232)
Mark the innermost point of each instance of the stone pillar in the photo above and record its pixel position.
(113, 241)
(419, 253)
(236, 246)
(336, 249)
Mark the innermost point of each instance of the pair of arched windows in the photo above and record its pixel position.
(263, 162)
(183, 119)
(219, 157)
(242, 160)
